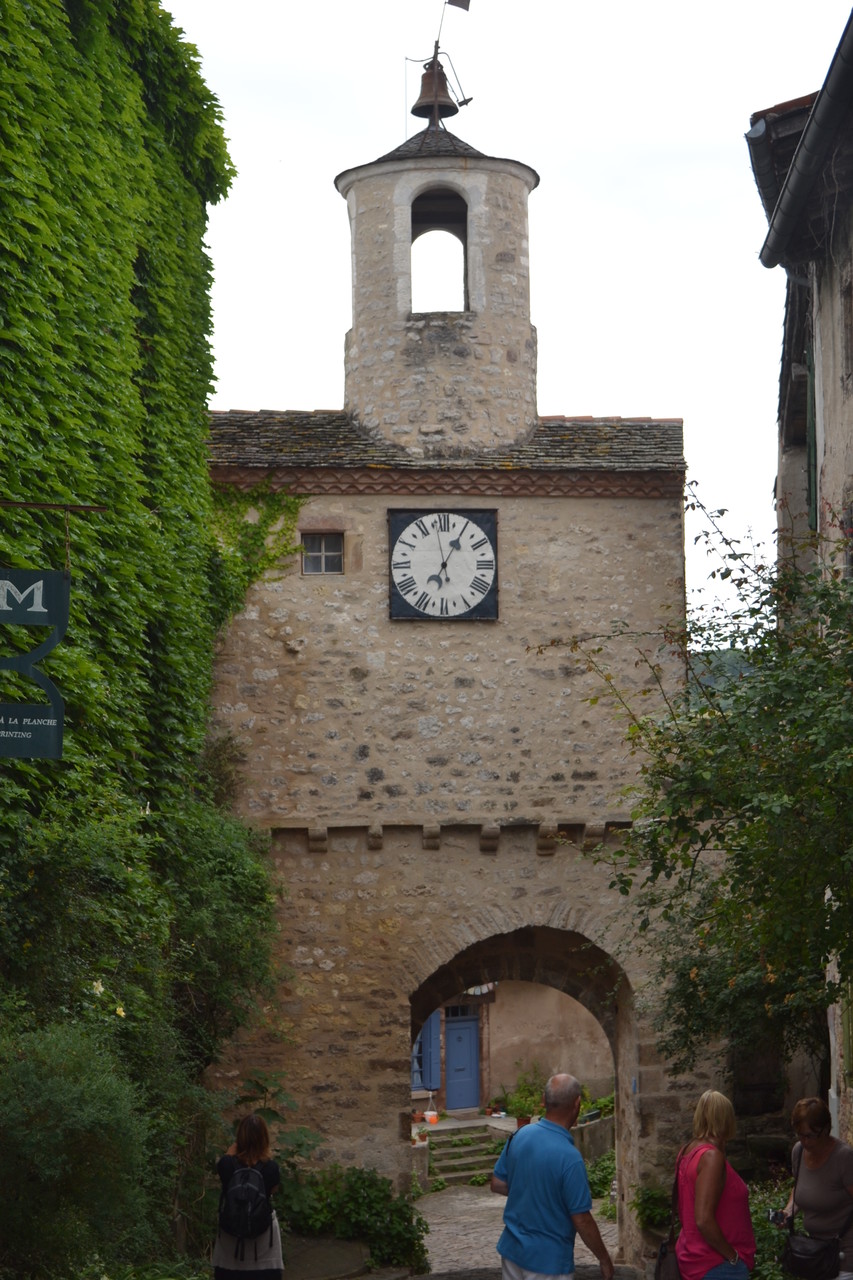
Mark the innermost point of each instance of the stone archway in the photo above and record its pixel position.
(570, 962)
(380, 925)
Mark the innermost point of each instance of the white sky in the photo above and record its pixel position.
(646, 289)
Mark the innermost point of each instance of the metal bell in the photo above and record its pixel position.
(435, 101)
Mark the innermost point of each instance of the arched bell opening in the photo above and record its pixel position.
(439, 251)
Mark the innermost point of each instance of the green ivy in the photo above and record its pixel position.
(257, 532)
(131, 908)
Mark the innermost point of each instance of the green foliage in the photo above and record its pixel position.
(215, 875)
(132, 911)
(525, 1099)
(479, 1179)
(105, 372)
(769, 1240)
(75, 1135)
(601, 1173)
(265, 1094)
(652, 1207)
(183, 1269)
(358, 1204)
(606, 1104)
(740, 862)
(257, 531)
(438, 1184)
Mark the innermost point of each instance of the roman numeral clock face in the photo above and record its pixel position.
(444, 564)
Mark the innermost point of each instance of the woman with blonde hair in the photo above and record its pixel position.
(716, 1238)
(260, 1256)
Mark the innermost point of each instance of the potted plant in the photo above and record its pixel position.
(525, 1100)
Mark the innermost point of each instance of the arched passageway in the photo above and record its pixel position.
(566, 961)
(381, 926)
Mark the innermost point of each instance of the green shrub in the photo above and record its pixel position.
(601, 1173)
(652, 1206)
(76, 1138)
(357, 1204)
(526, 1098)
(769, 1240)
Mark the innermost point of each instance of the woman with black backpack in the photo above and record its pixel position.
(248, 1240)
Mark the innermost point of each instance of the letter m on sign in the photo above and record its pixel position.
(32, 598)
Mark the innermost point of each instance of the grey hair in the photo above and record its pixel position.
(561, 1091)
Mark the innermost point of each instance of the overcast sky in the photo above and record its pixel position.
(646, 289)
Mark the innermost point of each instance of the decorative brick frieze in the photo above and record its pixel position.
(463, 482)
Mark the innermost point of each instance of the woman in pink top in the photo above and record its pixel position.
(716, 1238)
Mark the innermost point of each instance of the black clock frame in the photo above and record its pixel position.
(399, 608)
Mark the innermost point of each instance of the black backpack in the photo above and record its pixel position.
(244, 1207)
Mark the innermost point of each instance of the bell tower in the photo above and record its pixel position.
(441, 382)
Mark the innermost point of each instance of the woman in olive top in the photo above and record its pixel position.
(823, 1173)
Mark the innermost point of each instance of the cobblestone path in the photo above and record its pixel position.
(464, 1226)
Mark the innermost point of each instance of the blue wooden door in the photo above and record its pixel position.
(462, 1063)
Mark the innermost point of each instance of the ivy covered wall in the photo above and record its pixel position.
(132, 910)
(110, 146)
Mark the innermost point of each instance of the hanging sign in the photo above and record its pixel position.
(33, 598)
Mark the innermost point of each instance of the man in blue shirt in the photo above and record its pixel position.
(543, 1176)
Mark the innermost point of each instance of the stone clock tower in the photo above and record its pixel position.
(429, 765)
(460, 380)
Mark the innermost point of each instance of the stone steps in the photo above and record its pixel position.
(458, 1155)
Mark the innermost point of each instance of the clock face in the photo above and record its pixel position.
(444, 564)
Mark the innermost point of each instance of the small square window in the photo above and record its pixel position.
(322, 553)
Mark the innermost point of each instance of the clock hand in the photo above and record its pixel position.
(436, 578)
(444, 559)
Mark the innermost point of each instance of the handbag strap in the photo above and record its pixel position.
(673, 1205)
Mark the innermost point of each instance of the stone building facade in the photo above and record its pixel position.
(802, 159)
(429, 763)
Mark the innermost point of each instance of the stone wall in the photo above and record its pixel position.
(433, 790)
(345, 716)
(462, 380)
(538, 1024)
(376, 931)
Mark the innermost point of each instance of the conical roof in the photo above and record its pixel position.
(431, 142)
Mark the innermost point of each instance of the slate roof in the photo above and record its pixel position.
(269, 439)
(431, 142)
